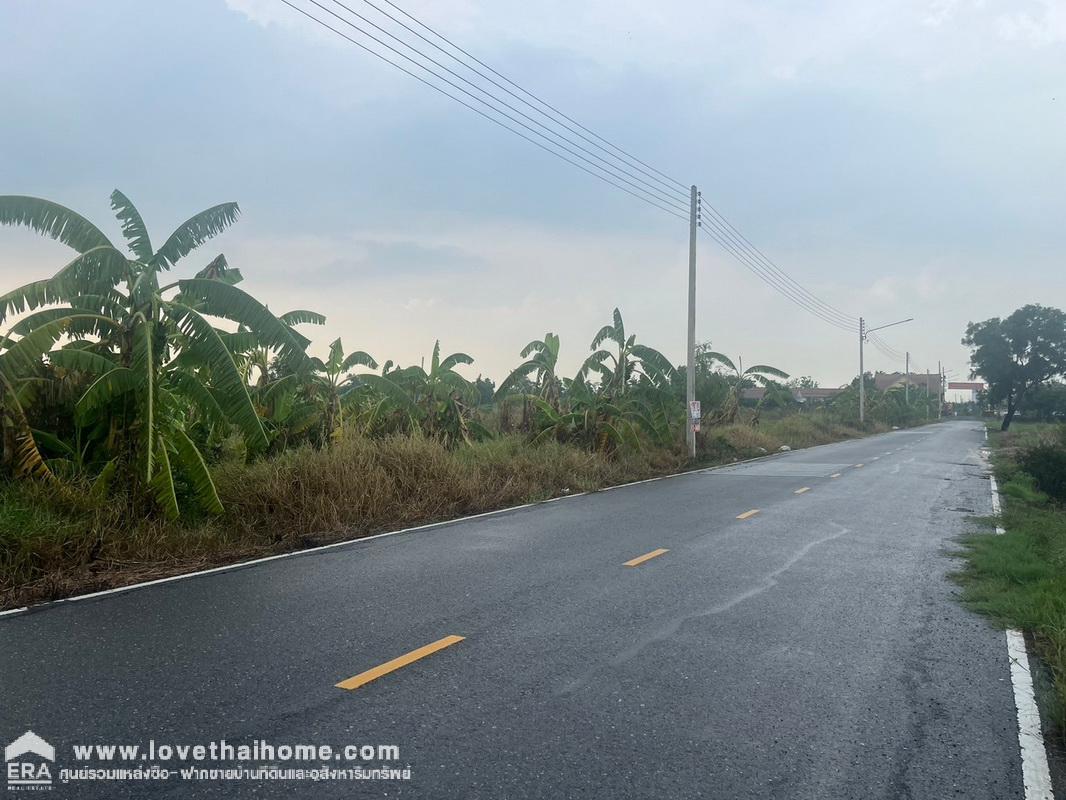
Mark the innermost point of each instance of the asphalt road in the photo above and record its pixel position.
(810, 650)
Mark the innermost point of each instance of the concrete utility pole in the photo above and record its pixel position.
(690, 372)
(907, 383)
(939, 391)
(862, 373)
(863, 333)
(943, 385)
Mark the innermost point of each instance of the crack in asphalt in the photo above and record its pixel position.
(764, 584)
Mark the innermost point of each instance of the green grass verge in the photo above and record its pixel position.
(1018, 579)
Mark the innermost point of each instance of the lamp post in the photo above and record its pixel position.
(863, 333)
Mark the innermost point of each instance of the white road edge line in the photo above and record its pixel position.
(996, 508)
(355, 541)
(1035, 773)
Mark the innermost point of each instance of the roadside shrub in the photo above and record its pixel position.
(1047, 465)
(1022, 486)
(747, 440)
(807, 430)
(713, 446)
(795, 430)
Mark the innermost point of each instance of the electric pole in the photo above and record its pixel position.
(863, 333)
(943, 386)
(907, 383)
(690, 372)
(939, 391)
(927, 394)
(862, 373)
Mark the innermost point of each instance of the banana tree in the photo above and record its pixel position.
(438, 400)
(284, 392)
(617, 369)
(378, 405)
(328, 379)
(760, 374)
(262, 362)
(593, 420)
(534, 378)
(542, 358)
(154, 359)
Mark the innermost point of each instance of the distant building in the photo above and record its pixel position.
(886, 381)
(973, 387)
(756, 393)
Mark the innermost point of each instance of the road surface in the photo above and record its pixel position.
(812, 649)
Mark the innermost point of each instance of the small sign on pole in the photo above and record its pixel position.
(694, 414)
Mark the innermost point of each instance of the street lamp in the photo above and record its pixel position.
(863, 333)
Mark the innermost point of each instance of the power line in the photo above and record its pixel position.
(556, 117)
(772, 267)
(714, 231)
(606, 166)
(459, 100)
(730, 231)
(721, 229)
(770, 280)
(885, 348)
(524, 91)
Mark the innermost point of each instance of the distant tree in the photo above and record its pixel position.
(486, 390)
(846, 402)
(778, 395)
(804, 382)
(1048, 401)
(1017, 354)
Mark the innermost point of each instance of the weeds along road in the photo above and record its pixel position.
(796, 639)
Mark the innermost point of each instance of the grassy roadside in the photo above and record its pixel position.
(1019, 579)
(51, 548)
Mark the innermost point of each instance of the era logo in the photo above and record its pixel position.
(27, 759)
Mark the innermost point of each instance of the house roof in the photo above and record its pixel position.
(890, 380)
(799, 395)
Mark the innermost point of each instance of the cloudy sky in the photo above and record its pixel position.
(898, 159)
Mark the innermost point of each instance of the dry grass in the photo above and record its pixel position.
(361, 485)
(51, 549)
(734, 442)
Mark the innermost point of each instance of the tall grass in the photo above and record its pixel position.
(733, 442)
(51, 548)
(364, 485)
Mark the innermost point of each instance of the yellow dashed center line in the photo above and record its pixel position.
(646, 557)
(857, 466)
(801, 491)
(835, 475)
(747, 514)
(362, 678)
